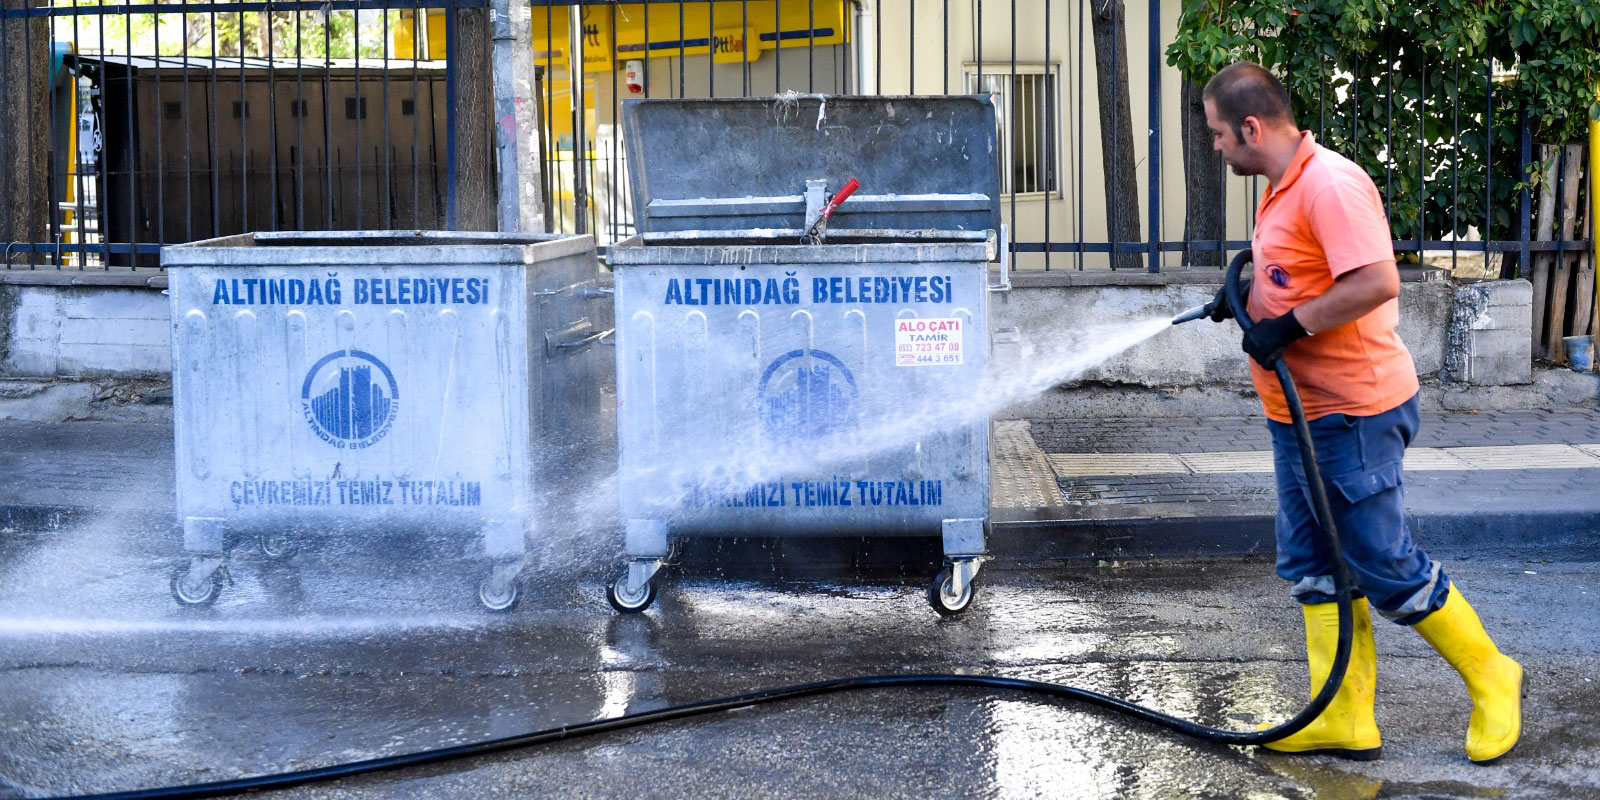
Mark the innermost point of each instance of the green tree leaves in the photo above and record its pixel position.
(1415, 91)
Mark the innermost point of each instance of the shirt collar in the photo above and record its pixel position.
(1308, 148)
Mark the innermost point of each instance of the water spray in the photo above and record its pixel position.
(1330, 687)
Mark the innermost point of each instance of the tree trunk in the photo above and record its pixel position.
(264, 33)
(1203, 176)
(475, 177)
(197, 33)
(1116, 130)
(24, 130)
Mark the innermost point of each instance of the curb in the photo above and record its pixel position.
(1054, 535)
(1030, 538)
(40, 518)
(51, 518)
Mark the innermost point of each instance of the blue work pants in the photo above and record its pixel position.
(1360, 459)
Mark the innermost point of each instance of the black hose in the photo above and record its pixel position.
(1341, 659)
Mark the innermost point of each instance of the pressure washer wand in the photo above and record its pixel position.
(1198, 312)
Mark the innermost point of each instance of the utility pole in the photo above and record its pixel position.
(516, 143)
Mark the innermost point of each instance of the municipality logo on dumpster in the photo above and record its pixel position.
(346, 402)
(807, 394)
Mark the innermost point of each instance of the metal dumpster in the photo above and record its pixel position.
(781, 372)
(360, 380)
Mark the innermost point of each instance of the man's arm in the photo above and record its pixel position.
(1354, 295)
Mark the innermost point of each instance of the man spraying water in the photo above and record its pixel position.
(1324, 296)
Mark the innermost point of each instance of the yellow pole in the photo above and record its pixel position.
(1594, 229)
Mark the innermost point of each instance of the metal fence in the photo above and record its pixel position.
(129, 127)
(169, 122)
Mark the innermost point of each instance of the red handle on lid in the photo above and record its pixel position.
(843, 194)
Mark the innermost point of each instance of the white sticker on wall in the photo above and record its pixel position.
(927, 342)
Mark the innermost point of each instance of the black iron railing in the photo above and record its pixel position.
(311, 115)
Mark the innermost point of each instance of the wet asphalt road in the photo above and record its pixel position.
(357, 649)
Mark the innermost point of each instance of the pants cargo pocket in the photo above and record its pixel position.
(1358, 486)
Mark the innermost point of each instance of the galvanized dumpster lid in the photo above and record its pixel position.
(743, 163)
(317, 249)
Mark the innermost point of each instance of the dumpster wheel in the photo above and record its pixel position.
(624, 602)
(278, 544)
(945, 601)
(195, 593)
(497, 595)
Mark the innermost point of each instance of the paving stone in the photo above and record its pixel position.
(1456, 491)
(1219, 434)
(1116, 464)
(1251, 461)
(1019, 474)
(1551, 456)
(1432, 458)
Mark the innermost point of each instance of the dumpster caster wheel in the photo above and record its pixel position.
(627, 603)
(944, 600)
(497, 595)
(190, 593)
(278, 545)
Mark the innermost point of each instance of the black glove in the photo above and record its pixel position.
(1270, 337)
(1218, 310)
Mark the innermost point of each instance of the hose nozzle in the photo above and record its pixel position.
(1193, 314)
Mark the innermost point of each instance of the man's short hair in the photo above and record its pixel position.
(1243, 89)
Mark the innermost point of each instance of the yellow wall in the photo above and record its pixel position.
(619, 32)
(731, 32)
(404, 44)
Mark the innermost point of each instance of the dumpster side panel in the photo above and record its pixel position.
(573, 425)
(802, 398)
(350, 393)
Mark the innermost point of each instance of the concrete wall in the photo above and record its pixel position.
(1199, 353)
(81, 331)
(67, 331)
(1490, 342)
(103, 352)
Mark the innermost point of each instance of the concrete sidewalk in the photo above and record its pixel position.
(1105, 489)
(1506, 481)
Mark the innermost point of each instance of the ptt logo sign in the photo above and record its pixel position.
(807, 394)
(347, 403)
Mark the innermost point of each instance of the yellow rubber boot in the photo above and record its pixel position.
(1493, 680)
(1346, 727)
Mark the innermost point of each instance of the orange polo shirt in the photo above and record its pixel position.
(1323, 219)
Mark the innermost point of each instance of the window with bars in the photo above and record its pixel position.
(1025, 102)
